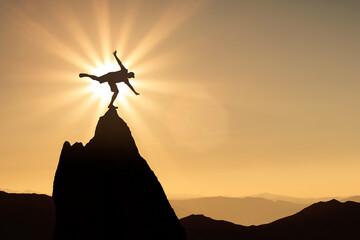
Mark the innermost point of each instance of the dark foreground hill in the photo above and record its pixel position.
(26, 216)
(106, 190)
(323, 220)
(32, 217)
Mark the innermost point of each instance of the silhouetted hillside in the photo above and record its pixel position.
(106, 190)
(26, 216)
(200, 227)
(245, 211)
(324, 220)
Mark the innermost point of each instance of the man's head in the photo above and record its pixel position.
(130, 75)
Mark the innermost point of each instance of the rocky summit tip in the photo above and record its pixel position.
(112, 111)
(112, 133)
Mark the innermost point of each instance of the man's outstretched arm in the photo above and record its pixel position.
(131, 87)
(118, 60)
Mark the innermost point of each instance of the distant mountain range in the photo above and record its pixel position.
(247, 210)
(277, 197)
(323, 220)
(353, 199)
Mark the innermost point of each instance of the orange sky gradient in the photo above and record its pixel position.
(237, 97)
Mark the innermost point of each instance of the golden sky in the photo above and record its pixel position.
(237, 97)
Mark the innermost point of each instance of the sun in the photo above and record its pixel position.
(102, 92)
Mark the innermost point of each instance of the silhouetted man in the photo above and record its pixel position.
(112, 78)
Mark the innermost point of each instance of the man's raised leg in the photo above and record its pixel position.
(93, 77)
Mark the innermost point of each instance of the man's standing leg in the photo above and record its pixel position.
(115, 90)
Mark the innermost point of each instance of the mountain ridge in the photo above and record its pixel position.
(245, 211)
(323, 220)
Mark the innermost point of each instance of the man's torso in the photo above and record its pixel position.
(115, 77)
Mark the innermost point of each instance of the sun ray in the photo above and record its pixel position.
(161, 61)
(150, 107)
(101, 9)
(50, 110)
(177, 13)
(79, 110)
(74, 27)
(60, 100)
(40, 36)
(88, 94)
(128, 22)
(161, 86)
(143, 128)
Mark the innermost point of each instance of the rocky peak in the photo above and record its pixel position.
(106, 190)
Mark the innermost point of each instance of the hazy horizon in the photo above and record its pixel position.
(236, 97)
(180, 196)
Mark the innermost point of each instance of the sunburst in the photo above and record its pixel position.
(94, 56)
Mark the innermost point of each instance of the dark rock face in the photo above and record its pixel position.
(106, 190)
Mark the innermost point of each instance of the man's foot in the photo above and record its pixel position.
(137, 93)
(82, 75)
(112, 106)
